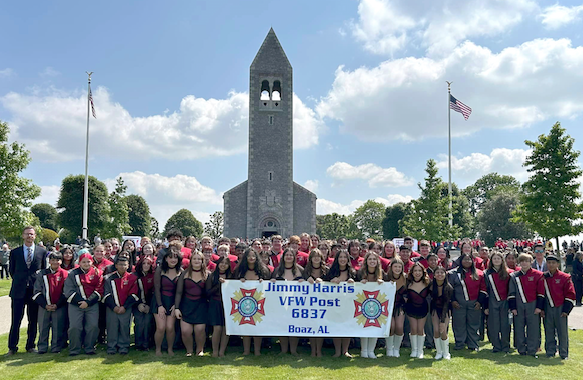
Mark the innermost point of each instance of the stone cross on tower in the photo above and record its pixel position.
(269, 202)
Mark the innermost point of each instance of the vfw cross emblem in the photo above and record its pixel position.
(371, 309)
(247, 306)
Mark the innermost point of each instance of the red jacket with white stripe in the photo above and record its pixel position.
(120, 290)
(48, 287)
(558, 290)
(523, 287)
(497, 288)
(84, 286)
(466, 288)
(146, 288)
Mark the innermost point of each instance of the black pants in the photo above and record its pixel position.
(578, 282)
(4, 270)
(18, 305)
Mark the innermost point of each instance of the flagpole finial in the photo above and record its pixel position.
(89, 75)
(448, 85)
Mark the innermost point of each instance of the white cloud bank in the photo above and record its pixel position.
(372, 173)
(557, 16)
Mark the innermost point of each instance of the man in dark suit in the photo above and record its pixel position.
(25, 261)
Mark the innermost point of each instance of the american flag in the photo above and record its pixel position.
(92, 106)
(460, 107)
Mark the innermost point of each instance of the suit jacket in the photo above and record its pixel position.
(22, 276)
(544, 267)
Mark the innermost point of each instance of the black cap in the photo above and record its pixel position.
(552, 258)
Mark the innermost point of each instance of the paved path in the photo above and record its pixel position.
(5, 313)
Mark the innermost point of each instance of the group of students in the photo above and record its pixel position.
(173, 296)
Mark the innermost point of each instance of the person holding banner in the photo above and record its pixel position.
(251, 267)
(165, 279)
(395, 275)
(190, 303)
(371, 271)
(314, 272)
(341, 271)
(441, 293)
(417, 307)
(288, 270)
(216, 315)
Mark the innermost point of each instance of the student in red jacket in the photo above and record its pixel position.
(83, 289)
(120, 294)
(522, 299)
(142, 316)
(497, 278)
(101, 263)
(52, 313)
(468, 297)
(557, 298)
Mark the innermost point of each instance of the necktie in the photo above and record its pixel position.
(29, 257)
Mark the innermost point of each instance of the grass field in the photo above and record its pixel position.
(5, 287)
(271, 365)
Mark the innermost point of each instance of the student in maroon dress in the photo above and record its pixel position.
(216, 317)
(251, 267)
(315, 271)
(142, 316)
(441, 293)
(416, 307)
(395, 274)
(371, 271)
(191, 305)
(288, 270)
(341, 271)
(165, 279)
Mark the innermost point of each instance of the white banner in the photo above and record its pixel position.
(292, 308)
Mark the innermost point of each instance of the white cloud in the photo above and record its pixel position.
(324, 206)
(406, 98)
(556, 16)
(397, 198)
(49, 72)
(387, 26)
(374, 174)
(312, 185)
(468, 169)
(49, 119)
(49, 194)
(166, 195)
(7, 72)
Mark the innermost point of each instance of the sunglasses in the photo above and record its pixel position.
(538, 251)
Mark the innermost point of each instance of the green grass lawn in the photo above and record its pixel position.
(271, 365)
(5, 287)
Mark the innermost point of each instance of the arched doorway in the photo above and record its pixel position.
(269, 226)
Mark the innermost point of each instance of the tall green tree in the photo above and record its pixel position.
(393, 215)
(215, 226)
(70, 205)
(185, 222)
(487, 186)
(429, 214)
(369, 219)
(16, 192)
(154, 228)
(460, 209)
(139, 217)
(118, 222)
(333, 226)
(47, 215)
(495, 218)
(550, 201)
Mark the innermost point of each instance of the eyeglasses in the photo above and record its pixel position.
(538, 251)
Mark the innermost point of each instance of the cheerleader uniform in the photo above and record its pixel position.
(165, 295)
(416, 305)
(191, 301)
(216, 312)
(399, 301)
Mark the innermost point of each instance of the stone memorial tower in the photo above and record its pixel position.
(270, 202)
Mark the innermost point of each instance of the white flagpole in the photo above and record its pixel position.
(86, 187)
(449, 152)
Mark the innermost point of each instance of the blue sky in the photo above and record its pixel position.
(171, 81)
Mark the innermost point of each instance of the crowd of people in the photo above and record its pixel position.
(171, 293)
